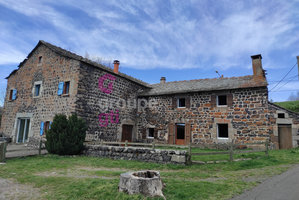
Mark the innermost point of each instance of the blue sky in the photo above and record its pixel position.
(180, 40)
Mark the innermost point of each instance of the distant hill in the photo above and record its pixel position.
(290, 105)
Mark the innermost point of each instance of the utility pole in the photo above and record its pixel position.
(298, 65)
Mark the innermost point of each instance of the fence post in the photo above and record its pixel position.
(126, 143)
(231, 151)
(40, 147)
(2, 151)
(267, 148)
(189, 161)
(153, 145)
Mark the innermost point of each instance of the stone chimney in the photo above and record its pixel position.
(116, 66)
(162, 80)
(257, 65)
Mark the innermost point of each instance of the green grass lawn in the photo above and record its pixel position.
(290, 105)
(81, 177)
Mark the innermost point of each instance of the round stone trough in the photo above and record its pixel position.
(146, 182)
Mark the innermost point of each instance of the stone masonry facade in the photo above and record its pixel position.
(246, 115)
(118, 107)
(53, 69)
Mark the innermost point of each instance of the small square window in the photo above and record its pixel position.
(181, 103)
(221, 100)
(40, 59)
(37, 90)
(151, 132)
(222, 130)
(281, 115)
(66, 87)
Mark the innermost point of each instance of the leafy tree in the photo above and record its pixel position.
(66, 136)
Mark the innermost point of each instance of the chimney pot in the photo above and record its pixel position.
(116, 66)
(257, 65)
(162, 80)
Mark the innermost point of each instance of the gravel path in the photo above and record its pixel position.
(282, 187)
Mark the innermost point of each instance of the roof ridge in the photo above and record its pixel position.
(233, 77)
(88, 61)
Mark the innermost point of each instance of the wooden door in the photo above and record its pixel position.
(285, 136)
(180, 134)
(127, 133)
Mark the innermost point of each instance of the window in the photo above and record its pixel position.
(66, 87)
(222, 130)
(181, 103)
(37, 90)
(151, 133)
(40, 59)
(63, 88)
(44, 127)
(281, 115)
(221, 100)
(12, 94)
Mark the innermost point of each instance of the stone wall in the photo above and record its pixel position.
(92, 102)
(246, 114)
(135, 153)
(52, 70)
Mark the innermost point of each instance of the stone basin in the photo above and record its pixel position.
(146, 182)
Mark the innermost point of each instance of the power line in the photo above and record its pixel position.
(283, 77)
(286, 80)
(285, 84)
(285, 90)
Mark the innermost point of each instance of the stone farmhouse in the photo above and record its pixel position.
(118, 107)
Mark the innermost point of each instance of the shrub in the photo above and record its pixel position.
(66, 136)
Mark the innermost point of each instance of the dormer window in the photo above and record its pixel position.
(221, 100)
(181, 102)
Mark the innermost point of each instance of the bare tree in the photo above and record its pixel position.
(294, 97)
(2, 96)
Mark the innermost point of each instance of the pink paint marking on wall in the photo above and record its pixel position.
(104, 118)
(102, 79)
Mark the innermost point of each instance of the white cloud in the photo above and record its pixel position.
(142, 34)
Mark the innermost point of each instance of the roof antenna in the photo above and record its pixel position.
(218, 74)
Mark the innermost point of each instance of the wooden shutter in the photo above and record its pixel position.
(229, 100)
(14, 94)
(60, 88)
(174, 102)
(187, 133)
(41, 131)
(155, 133)
(143, 133)
(213, 100)
(171, 133)
(188, 103)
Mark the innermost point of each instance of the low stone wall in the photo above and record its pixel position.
(137, 153)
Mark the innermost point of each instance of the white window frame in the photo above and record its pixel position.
(178, 102)
(40, 88)
(217, 100)
(222, 138)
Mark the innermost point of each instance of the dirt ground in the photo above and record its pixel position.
(10, 190)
